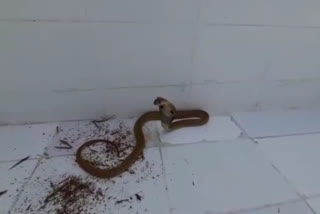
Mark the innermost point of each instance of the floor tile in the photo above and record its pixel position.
(218, 128)
(12, 181)
(297, 157)
(263, 124)
(291, 208)
(78, 132)
(315, 204)
(17, 142)
(119, 194)
(221, 177)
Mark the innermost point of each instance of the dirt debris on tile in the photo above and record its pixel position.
(67, 189)
(20, 141)
(108, 154)
(115, 130)
(3, 192)
(12, 181)
(19, 162)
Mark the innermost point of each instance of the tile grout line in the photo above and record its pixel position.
(42, 157)
(246, 210)
(301, 197)
(81, 20)
(254, 139)
(226, 24)
(159, 145)
(315, 196)
(25, 184)
(310, 207)
(195, 38)
(168, 145)
(288, 135)
(243, 131)
(165, 180)
(207, 142)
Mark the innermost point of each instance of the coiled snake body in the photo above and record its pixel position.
(166, 114)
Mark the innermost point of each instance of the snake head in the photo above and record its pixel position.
(159, 100)
(165, 107)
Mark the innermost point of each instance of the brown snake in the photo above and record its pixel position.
(167, 114)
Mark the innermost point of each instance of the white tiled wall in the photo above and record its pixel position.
(67, 59)
(231, 54)
(261, 12)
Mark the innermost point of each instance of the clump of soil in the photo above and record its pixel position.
(70, 195)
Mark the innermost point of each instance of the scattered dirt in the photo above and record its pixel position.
(129, 200)
(71, 195)
(121, 201)
(138, 197)
(68, 194)
(118, 131)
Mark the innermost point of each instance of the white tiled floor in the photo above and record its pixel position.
(12, 181)
(221, 172)
(264, 124)
(78, 132)
(17, 142)
(297, 158)
(232, 169)
(217, 129)
(51, 170)
(293, 208)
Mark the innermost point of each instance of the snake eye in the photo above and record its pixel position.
(161, 107)
(172, 112)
